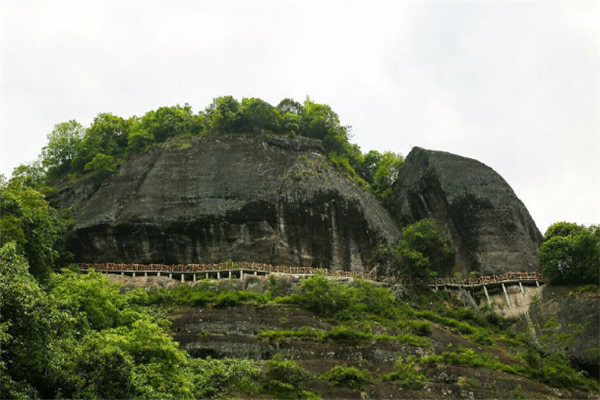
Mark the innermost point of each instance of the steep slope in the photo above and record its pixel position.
(488, 225)
(262, 199)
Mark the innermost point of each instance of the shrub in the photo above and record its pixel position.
(421, 328)
(342, 375)
(213, 378)
(343, 334)
(405, 338)
(406, 374)
(287, 380)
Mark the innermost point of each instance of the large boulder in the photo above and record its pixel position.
(489, 227)
(261, 199)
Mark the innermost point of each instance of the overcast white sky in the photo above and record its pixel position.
(514, 85)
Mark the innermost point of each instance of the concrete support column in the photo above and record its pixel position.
(170, 275)
(145, 274)
(158, 274)
(194, 277)
(487, 296)
(134, 274)
(122, 273)
(218, 275)
(521, 286)
(182, 277)
(229, 274)
(241, 274)
(255, 272)
(537, 283)
(206, 277)
(506, 295)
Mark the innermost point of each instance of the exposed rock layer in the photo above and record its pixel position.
(261, 199)
(488, 225)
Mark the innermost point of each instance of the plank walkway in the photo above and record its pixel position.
(241, 268)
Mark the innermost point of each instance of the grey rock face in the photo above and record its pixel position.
(487, 224)
(271, 199)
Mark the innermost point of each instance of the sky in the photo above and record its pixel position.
(514, 85)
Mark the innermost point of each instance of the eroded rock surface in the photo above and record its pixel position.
(488, 225)
(260, 199)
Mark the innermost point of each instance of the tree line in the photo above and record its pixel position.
(74, 150)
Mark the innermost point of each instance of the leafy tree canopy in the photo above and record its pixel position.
(570, 254)
(99, 149)
(421, 253)
(31, 223)
(63, 145)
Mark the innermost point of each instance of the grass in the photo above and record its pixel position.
(343, 334)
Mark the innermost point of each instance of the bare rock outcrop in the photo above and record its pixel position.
(488, 225)
(261, 199)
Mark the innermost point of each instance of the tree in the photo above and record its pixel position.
(108, 134)
(421, 253)
(570, 254)
(168, 122)
(28, 220)
(424, 237)
(386, 174)
(223, 115)
(31, 174)
(318, 120)
(139, 140)
(257, 115)
(63, 146)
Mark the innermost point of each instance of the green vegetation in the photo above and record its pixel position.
(345, 302)
(406, 374)
(570, 254)
(98, 150)
(202, 295)
(32, 224)
(343, 334)
(422, 253)
(287, 380)
(343, 375)
(78, 337)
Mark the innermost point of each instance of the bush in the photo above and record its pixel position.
(421, 328)
(342, 375)
(214, 378)
(406, 374)
(343, 334)
(468, 357)
(405, 338)
(287, 380)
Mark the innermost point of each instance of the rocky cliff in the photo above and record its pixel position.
(487, 224)
(261, 199)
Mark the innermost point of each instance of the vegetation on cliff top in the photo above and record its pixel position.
(74, 150)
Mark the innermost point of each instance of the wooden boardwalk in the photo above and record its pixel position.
(490, 280)
(221, 270)
(239, 269)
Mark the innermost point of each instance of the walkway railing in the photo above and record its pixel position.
(509, 277)
(487, 280)
(241, 266)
